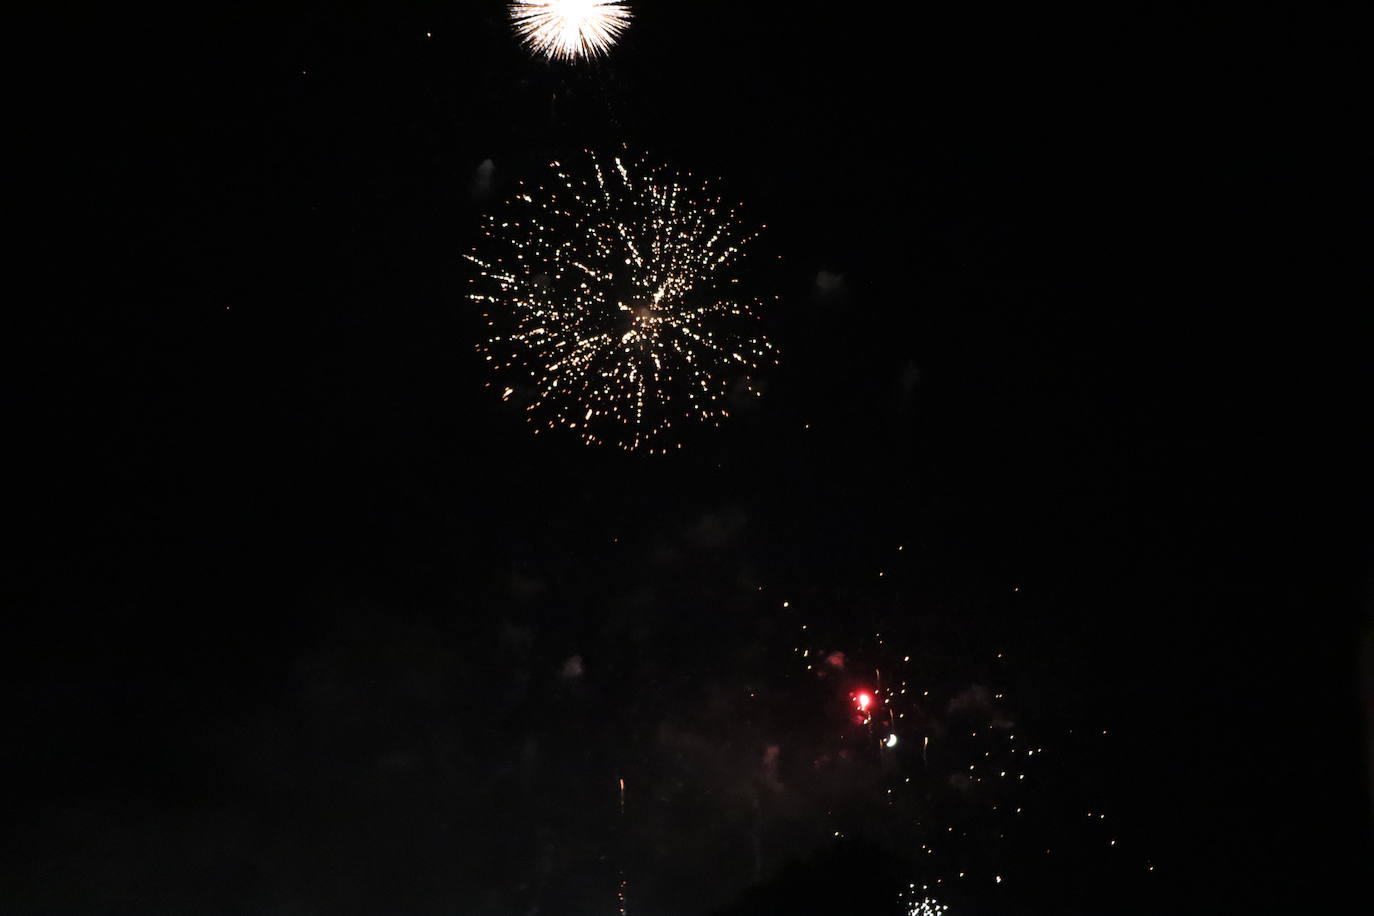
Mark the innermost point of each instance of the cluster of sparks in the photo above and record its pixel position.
(956, 773)
(612, 306)
(925, 906)
(570, 29)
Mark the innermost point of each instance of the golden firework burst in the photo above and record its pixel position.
(613, 305)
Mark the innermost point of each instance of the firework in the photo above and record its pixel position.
(613, 305)
(926, 907)
(568, 29)
(934, 758)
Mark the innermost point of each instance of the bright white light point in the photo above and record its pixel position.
(999, 879)
(569, 29)
(891, 741)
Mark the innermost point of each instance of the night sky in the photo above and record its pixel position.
(1071, 425)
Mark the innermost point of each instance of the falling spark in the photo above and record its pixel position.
(612, 304)
(623, 890)
(569, 29)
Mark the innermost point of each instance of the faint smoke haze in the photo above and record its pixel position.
(484, 179)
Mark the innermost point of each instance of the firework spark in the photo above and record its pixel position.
(613, 307)
(967, 790)
(926, 907)
(568, 29)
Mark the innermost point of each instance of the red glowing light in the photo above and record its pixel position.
(864, 700)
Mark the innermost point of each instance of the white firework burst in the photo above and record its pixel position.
(568, 29)
(613, 307)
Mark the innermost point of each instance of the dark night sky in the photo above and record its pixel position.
(292, 593)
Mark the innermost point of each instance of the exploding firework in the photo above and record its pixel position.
(974, 791)
(613, 305)
(568, 29)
